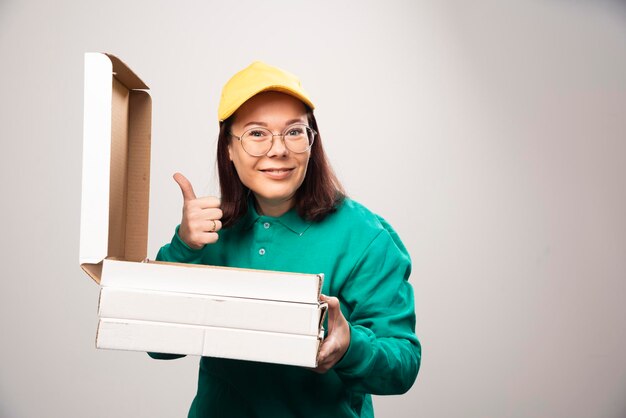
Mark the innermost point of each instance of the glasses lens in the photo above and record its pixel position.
(299, 138)
(257, 141)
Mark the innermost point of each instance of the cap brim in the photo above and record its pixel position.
(281, 89)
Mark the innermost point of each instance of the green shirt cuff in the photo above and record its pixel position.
(180, 241)
(359, 351)
(178, 251)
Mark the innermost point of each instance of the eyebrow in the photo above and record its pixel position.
(289, 122)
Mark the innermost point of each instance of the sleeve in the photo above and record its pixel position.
(176, 251)
(384, 354)
(179, 252)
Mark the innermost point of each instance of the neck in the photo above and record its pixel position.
(274, 208)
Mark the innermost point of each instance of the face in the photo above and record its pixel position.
(274, 177)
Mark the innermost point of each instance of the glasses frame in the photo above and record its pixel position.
(274, 135)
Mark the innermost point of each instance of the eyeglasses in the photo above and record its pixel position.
(257, 142)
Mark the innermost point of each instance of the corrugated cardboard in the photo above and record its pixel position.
(115, 198)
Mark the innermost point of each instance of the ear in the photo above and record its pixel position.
(230, 151)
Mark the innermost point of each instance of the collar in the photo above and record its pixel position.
(291, 220)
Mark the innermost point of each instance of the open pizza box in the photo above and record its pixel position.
(114, 240)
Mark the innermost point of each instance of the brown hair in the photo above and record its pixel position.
(319, 195)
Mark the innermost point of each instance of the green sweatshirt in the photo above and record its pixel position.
(365, 265)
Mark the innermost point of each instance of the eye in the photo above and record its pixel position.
(295, 131)
(256, 134)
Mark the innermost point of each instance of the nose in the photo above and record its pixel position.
(278, 148)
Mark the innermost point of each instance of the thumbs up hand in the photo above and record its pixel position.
(201, 216)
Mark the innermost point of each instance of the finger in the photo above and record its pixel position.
(323, 354)
(213, 213)
(331, 300)
(209, 202)
(321, 368)
(202, 214)
(333, 312)
(324, 363)
(211, 225)
(329, 347)
(185, 187)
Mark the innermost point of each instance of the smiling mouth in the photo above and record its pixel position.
(277, 170)
(277, 174)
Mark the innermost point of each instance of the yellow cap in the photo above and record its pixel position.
(255, 78)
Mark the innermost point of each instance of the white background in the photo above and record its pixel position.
(491, 134)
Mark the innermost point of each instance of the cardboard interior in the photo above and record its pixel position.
(128, 191)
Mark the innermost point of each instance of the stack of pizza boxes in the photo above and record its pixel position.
(174, 308)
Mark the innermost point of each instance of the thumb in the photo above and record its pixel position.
(333, 307)
(185, 187)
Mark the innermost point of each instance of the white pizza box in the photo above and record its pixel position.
(211, 310)
(159, 337)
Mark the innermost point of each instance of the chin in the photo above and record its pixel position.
(274, 190)
(277, 197)
(275, 194)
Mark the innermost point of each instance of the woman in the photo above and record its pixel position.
(283, 209)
